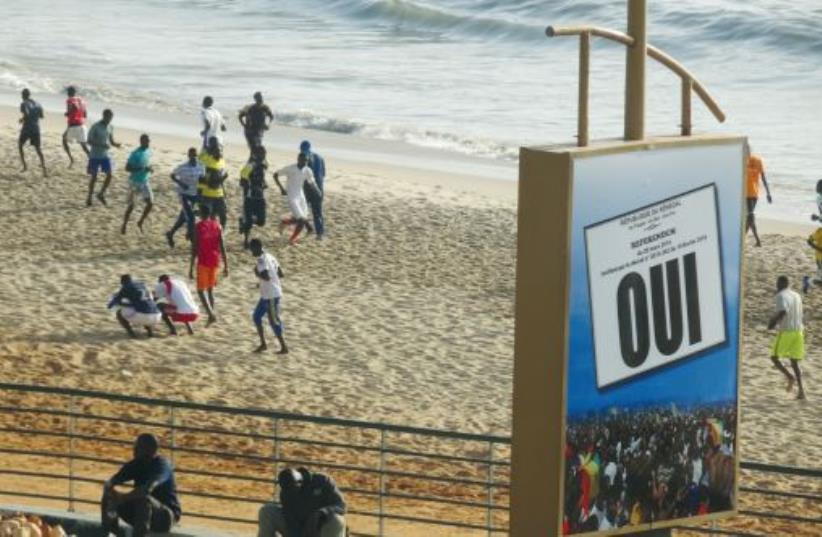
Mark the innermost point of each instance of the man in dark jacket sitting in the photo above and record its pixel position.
(152, 505)
(310, 505)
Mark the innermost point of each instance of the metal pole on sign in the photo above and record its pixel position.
(635, 71)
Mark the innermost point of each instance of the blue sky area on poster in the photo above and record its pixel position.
(701, 217)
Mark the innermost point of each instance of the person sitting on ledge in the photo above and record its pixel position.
(152, 505)
(310, 505)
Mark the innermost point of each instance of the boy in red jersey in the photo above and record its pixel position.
(207, 247)
(76, 115)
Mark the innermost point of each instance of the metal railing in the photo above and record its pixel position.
(393, 476)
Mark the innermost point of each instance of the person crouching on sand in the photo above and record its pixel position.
(135, 306)
(176, 303)
(296, 176)
(790, 338)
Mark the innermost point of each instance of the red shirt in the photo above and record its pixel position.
(76, 111)
(208, 242)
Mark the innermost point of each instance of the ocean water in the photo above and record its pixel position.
(476, 77)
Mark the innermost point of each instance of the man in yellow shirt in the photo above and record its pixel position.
(815, 242)
(210, 188)
(755, 171)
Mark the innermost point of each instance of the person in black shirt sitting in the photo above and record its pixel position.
(152, 505)
(310, 505)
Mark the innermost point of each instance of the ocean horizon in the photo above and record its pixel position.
(473, 77)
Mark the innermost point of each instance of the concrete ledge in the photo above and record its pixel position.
(83, 524)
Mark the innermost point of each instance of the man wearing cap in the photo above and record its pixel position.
(310, 505)
(255, 119)
(314, 192)
(152, 505)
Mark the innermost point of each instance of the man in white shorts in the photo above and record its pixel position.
(135, 306)
(296, 176)
(176, 303)
(76, 114)
(140, 172)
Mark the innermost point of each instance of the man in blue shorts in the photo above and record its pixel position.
(30, 131)
(100, 140)
(268, 271)
(139, 171)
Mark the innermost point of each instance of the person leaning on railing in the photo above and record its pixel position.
(152, 505)
(310, 505)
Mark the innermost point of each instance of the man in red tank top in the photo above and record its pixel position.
(76, 116)
(207, 248)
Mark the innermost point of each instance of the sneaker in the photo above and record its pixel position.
(806, 284)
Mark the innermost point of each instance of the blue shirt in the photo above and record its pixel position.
(156, 475)
(136, 295)
(138, 161)
(317, 165)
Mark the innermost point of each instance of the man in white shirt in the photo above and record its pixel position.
(186, 177)
(790, 337)
(176, 303)
(296, 176)
(213, 122)
(268, 273)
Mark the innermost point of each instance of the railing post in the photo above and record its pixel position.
(584, 78)
(72, 424)
(172, 425)
(635, 71)
(381, 531)
(276, 430)
(489, 517)
(687, 86)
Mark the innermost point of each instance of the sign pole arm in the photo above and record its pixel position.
(584, 79)
(635, 71)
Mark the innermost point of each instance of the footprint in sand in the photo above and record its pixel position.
(91, 357)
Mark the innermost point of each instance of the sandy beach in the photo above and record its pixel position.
(404, 314)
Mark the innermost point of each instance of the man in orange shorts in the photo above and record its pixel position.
(755, 171)
(207, 248)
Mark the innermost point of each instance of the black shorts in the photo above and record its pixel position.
(29, 135)
(751, 204)
(253, 138)
(253, 213)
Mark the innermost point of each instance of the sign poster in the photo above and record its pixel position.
(651, 403)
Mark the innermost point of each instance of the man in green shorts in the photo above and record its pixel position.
(790, 337)
(139, 171)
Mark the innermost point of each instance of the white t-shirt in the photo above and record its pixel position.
(176, 293)
(270, 288)
(610, 472)
(215, 122)
(295, 178)
(791, 303)
(188, 175)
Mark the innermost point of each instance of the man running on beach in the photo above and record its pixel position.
(790, 338)
(207, 247)
(268, 272)
(314, 192)
(296, 175)
(252, 181)
(213, 122)
(755, 171)
(30, 130)
(100, 140)
(210, 188)
(135, 307)
(138, 182)
(176, 303)
(255, 119)
(76, 115)
(186, 177)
